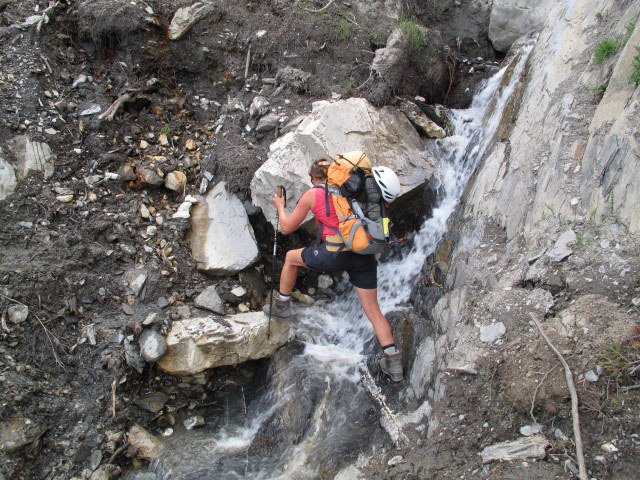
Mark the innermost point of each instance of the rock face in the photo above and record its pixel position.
(221, 237)
(7, 178)
(197, 344)
(510, 19)
(31, 157)
(384, 134)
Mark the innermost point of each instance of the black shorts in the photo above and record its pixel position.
(362, 269)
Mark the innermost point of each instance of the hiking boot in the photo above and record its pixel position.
(281, 309)
(391, 364)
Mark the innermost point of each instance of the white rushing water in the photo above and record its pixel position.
(316, 411)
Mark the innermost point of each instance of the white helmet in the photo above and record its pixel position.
(388, 182)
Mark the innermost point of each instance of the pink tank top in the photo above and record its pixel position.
(320, 211)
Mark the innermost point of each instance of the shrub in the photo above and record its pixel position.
(414, 34)
(605, 49)
(635, 75)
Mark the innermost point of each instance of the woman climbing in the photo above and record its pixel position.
(326, 258)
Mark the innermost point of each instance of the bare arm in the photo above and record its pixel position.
(290, 223)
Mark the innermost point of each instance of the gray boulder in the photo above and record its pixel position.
(385, 135)
(221, 238)
(152, 345)
(210, 300)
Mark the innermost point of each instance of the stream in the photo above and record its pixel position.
(317, 411)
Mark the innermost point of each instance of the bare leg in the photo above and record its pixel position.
(289, 273)
(382, 329)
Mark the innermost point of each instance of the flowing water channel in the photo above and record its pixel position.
(316, 410)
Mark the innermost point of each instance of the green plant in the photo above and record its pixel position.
(414, 34)
(580, 239)
(613, 360)
(165, 130)
(635, 74)
(343, 29)
(605, 49)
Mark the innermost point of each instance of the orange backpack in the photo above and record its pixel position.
(362, 213)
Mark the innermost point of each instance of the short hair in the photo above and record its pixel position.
(319, 168)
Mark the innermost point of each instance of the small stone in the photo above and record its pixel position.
(532, 429)
(79, 81)
(176, 181)
(210, 300)
(190, 144)
(126, 173)
(152, 402)
(243, 308)
(591, 376)
(268, 122)
(599, 458)
(164, 141)
(95, 459)
(152, 230)
(152, 345)
(239, 291)
(146, 445)
(50, 131)
(18, 313)
(395, 460)
(136, 280)
(17, 432)
(184, 210)
(168, 432)
(325, 281)
(150, 319)
(162, 302)
(92, 110)
(127, 309)
(259, 106)
(192, 422)
(65, 198)
(144, 144)
(150, 177)
(609, 448)
(575, 201)
(636, 302)
(490, 333)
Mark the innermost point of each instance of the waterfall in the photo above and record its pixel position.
(317, 411)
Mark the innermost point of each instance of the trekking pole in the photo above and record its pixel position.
(280, 192)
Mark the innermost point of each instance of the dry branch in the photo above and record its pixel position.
(115, 106)
(322, 9)
(574, 402)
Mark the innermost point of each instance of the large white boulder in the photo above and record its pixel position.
(511, 19)
(7, 178)
(197, 344)
(385, 135)
(221, 237)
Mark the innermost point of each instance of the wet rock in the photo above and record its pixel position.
(8, 180)
(521, 449)
(146, 445)
(561, 250)
(325, 281)
(149, 177)
(176, 181)
(135, 280)
(153, 402)
(302, 298)
(221, 238)
(32, 157)
(511, 19)
(490, 333)
(268, 122)
(106, 472)
(340, 127)
(18, 432)
(200, 343)
(187, 17)
(18, 313)
(152, 345)
(192, 422)
(210, 300)
(424, 124)
(259, 106)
